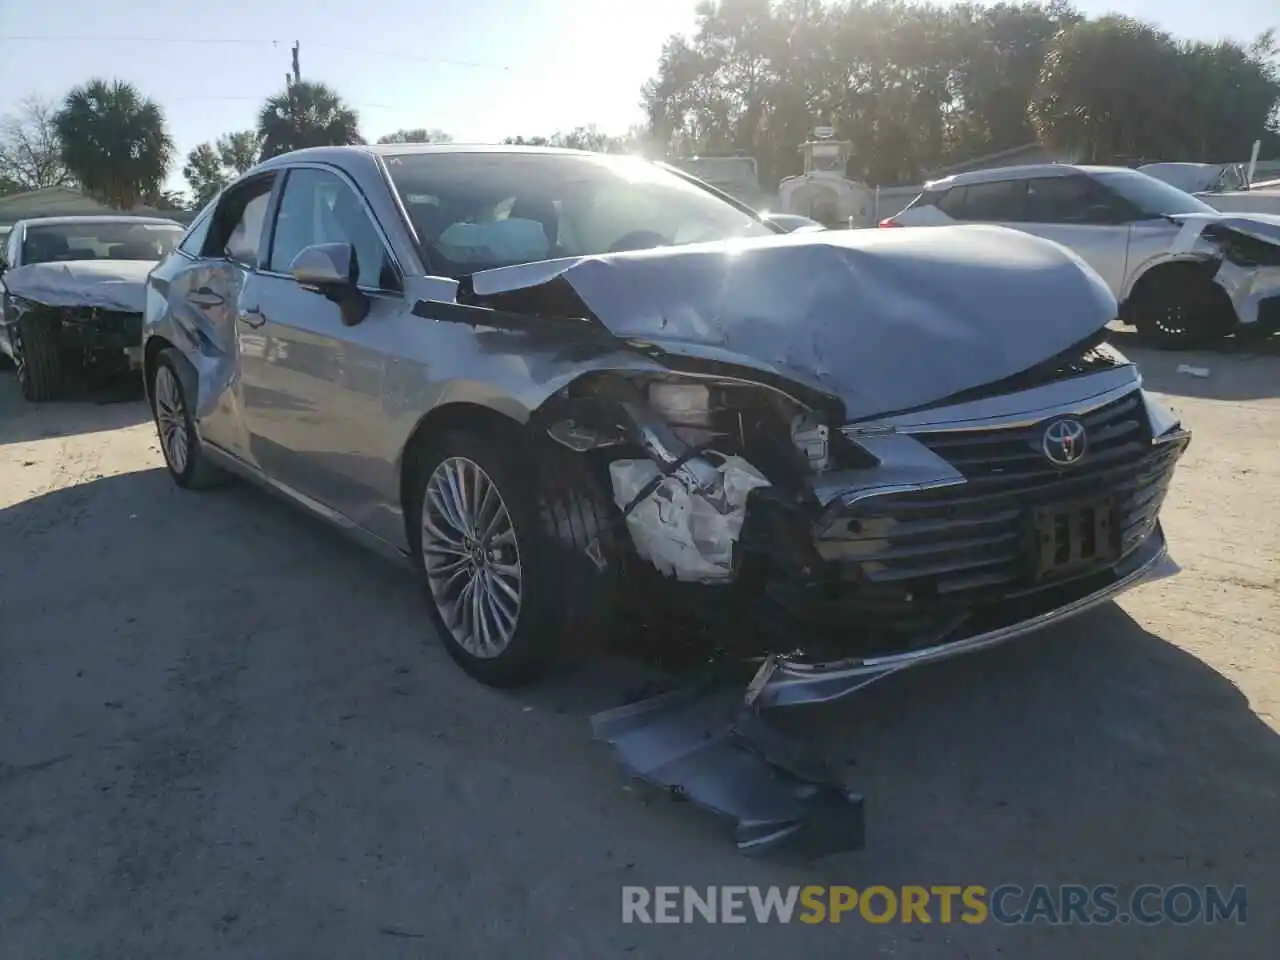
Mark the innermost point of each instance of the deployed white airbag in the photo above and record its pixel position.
(106, 284)
(501, 241)
(689, 536)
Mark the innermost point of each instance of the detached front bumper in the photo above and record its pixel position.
(784, 681)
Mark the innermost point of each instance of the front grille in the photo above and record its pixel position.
(1004, 458)
(947, 550)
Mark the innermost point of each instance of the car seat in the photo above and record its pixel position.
(543, 211)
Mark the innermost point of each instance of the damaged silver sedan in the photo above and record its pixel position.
(566, 385)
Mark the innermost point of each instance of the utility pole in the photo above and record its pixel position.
(297, 72)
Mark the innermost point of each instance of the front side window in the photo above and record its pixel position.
(1152, 198)
(1074, 199)
(320, 207)
(99, 240)
(474, 211)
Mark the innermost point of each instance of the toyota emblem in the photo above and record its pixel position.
(1064, 442)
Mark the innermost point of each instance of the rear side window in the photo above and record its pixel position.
(928, 198)
(193, 242)
(999, 200)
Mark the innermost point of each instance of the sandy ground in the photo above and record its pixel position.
(225, 731)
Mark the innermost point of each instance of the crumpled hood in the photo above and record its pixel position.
(886, 320)
(107, 284)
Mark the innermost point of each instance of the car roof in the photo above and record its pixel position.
(92, 218)
(996, 174)
(337, 155)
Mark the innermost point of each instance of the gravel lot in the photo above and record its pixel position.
(226, 731)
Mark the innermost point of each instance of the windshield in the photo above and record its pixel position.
(98, 240)
(476, 211)
(1152, 197)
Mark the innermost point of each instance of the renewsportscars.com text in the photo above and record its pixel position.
(1008, 904)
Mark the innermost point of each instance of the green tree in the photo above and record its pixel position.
(917, 85)
(114, 142)
(239, 151)
(204, 173)
(416, 135)
(306, 114)
(30, 151)
(1105, 91)
(585, 138)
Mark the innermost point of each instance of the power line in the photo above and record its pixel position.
(259, 98)
(254, 41)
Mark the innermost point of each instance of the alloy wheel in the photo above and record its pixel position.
(1173, 319)
(19, 356)
(171, 420)
(471, 557)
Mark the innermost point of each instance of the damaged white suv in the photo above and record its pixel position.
(562, 383)
(1185, 274)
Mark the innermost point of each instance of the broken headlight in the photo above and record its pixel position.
(766, 426)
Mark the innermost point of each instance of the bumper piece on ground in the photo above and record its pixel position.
(711, 745)
(779, 794)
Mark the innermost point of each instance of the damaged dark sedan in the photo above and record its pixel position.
(73, 295)
(564, 385)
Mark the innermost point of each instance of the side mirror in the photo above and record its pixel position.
(330, 269)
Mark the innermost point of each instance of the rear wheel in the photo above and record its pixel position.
(179, 442)
(38, 353)
(505, 552)
(1180, 309)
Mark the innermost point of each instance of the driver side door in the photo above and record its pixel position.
(314, 402)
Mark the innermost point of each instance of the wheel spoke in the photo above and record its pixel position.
(171, 420)
(472, 558)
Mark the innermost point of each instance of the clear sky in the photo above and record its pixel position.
(480, 69)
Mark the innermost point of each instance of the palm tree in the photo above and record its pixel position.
(306, 114)
(239, 151)
(114, 142)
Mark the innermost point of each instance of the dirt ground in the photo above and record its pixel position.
(226, 732)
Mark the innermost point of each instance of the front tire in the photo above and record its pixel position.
(1181, 311)
(38, 353)
(502, 541)
(183, 454)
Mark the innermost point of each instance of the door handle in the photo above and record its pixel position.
(253, 317)
(204, 297)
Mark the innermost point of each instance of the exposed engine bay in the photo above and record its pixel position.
(72, 323)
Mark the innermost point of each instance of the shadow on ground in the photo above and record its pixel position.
(108, 406)
(278, 668)
(1237, 370)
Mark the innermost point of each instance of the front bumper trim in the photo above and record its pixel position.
(781, 681)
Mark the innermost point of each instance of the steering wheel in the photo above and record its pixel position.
(638, 240)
